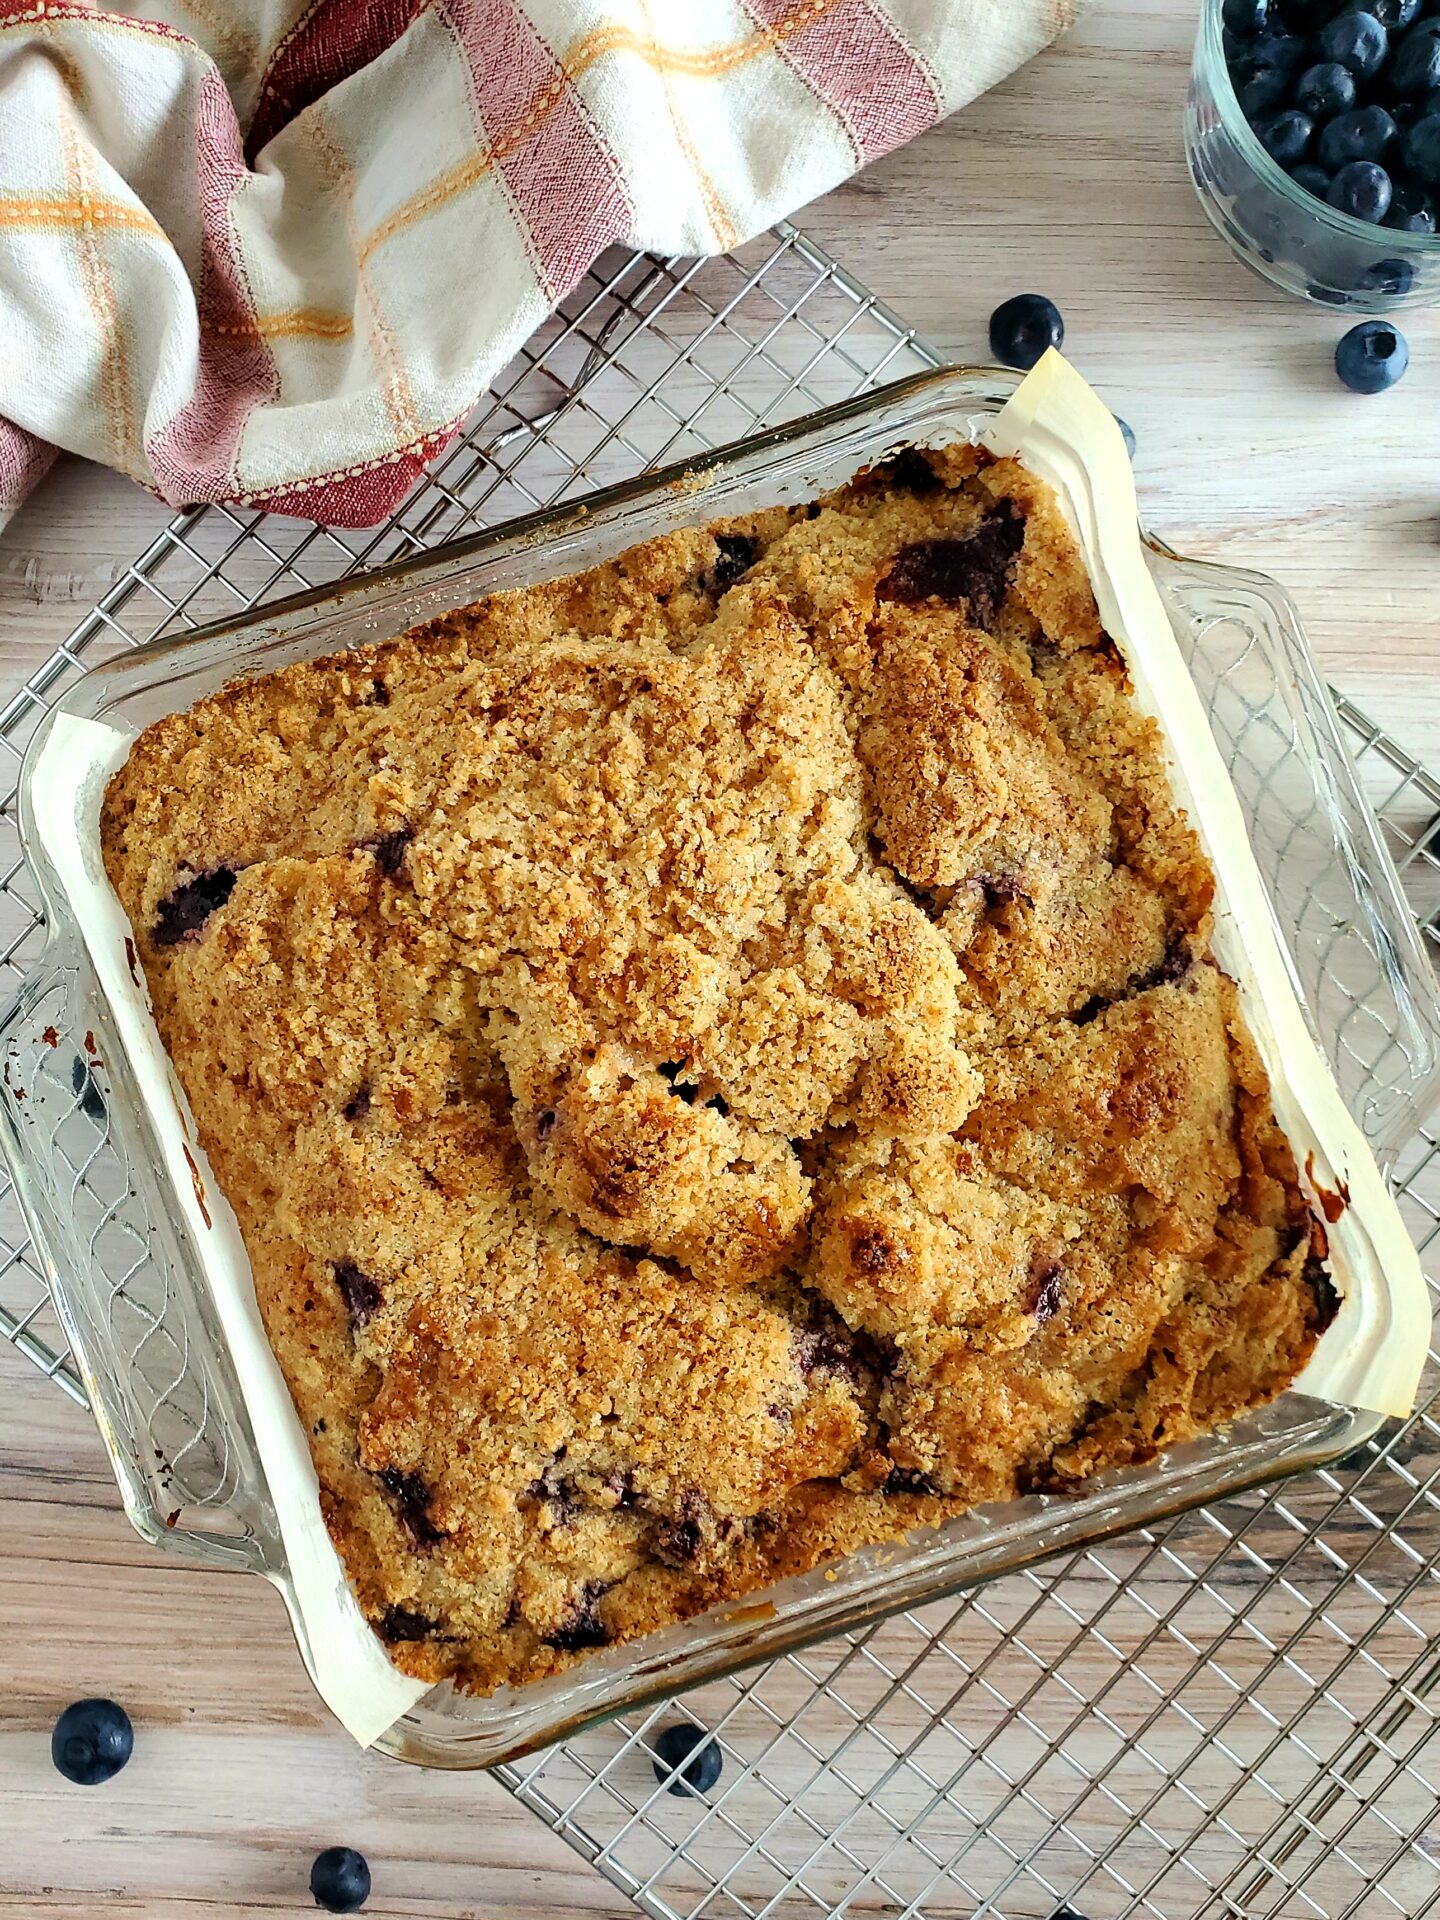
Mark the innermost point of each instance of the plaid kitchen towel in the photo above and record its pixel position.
(272, 251)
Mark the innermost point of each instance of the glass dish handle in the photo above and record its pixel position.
(172, 1421)
(1354, 950)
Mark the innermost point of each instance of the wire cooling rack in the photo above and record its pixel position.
(1229, 1715)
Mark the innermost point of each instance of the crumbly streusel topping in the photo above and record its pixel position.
(716, 1062)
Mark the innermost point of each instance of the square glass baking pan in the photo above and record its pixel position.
(130, 1290)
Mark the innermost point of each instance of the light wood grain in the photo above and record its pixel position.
(1069, 180)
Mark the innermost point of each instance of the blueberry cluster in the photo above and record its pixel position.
(1346, 100)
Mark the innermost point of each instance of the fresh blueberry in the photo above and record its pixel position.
(1416, 66)
(1420, 151)
(1411, 210)
(1389, 277)
(1127, 434)
(1372, 357)
(675, 1754)
(340, 1880)
(1308, 16)
(1367, 134)
(92, 1741)
(1285, 136)
(1358, 41)
(1324, 90)
(1395, 15)
(1284, 51)
(1263, 92)
(1246, 17)
(1363, 190)
(1312, 178)
(1023, 330)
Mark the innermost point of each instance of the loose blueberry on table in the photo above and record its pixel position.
(1346, 99)
(92, 1741)
(676, 1755)
(1372, 357)
(340, 1880)
(1024, 329)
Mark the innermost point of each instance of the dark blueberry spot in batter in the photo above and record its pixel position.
(1045, 1297)
(907, 1480)
(545, 1123)
(678, 1543)
(358, 1105)
(735, 554)
(781, 1415)
(360, 1293)
(1001, 888)
(910, 472)
(390, 849)
(974, 569)
(1327, 1299)
(582, 1626)
(827, 1351)
(1177, 963)
(399, 1623)
(412, 1496)
(556, 1495)
(563, 1506)
(187, 909)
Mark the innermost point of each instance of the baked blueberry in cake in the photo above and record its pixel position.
(717, 1061)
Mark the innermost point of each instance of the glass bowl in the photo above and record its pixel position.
(1282, 233)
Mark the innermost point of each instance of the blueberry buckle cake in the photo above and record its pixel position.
(717, 1061)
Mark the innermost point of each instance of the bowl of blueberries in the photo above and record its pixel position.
(1313, 134)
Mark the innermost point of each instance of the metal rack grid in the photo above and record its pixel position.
(1229, 1715)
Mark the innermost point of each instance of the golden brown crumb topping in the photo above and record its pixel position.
(717, 1062)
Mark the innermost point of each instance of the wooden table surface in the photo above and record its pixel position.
(1070, 179)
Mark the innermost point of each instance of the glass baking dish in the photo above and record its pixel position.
(123, 1271)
